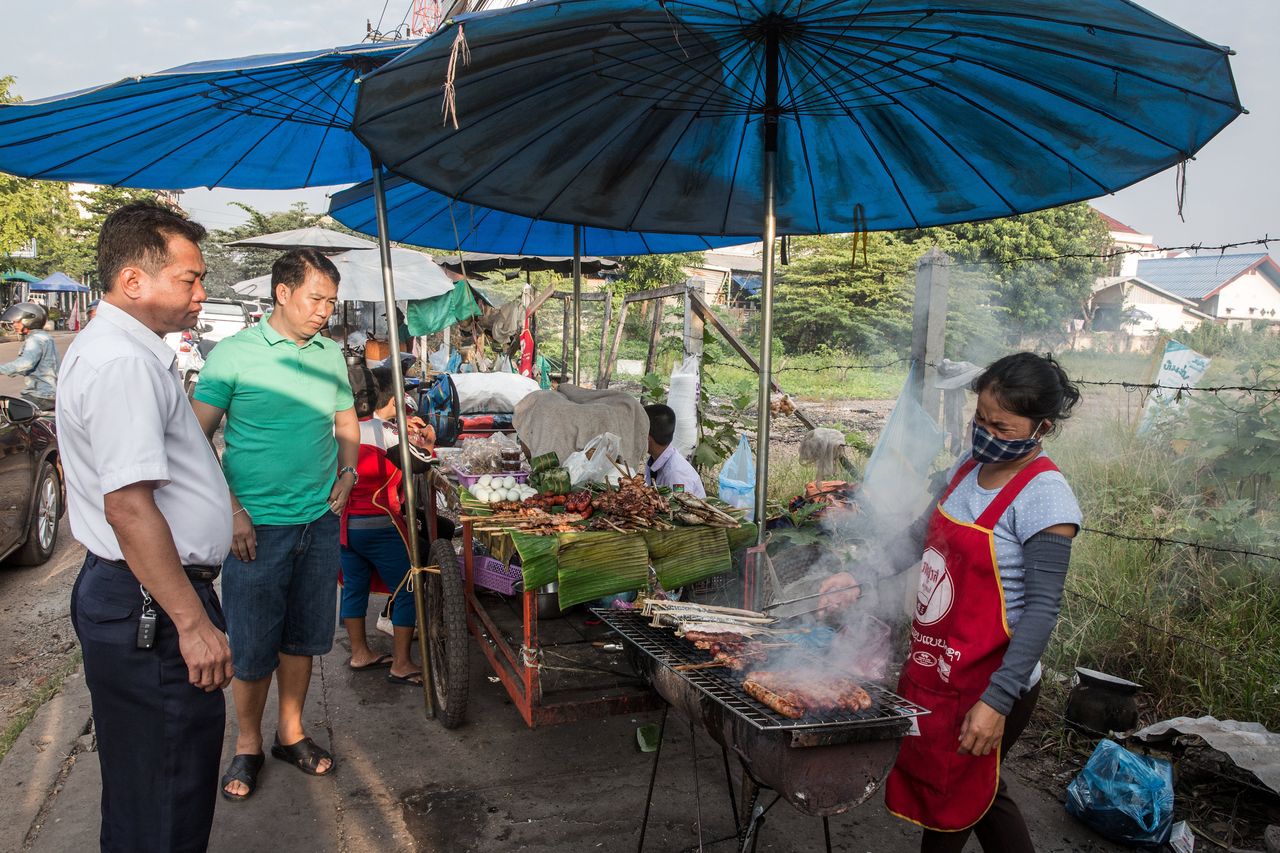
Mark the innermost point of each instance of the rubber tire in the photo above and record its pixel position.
(32, 553)
(447, 635)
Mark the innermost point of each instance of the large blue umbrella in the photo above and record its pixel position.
(274, 121)
(724, 117)
(59, 283)
(424, 217)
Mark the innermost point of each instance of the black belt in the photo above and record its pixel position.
(195, 573)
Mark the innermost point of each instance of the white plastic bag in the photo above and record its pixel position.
(594, 463)
(738, 479)
(439, 359)
(683, 400)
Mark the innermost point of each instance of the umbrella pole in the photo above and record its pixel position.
(397, 384)
(577, 302)
(766, 286)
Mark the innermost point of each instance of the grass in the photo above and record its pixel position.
(45, 691)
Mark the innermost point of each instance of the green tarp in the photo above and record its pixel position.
(428, 316)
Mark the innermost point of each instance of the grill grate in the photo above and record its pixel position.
(724, 685)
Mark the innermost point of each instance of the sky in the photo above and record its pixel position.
(1233, 187)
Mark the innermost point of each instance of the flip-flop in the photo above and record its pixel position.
(381, 662)
(305, 755)
(244, 768)
(406, 679)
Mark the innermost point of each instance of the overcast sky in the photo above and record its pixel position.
(1233, 187)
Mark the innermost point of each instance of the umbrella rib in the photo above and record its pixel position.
(804, 148)
(244, 154)
(733, 179)
(285, 96)
(644, 197)
(884, 164)
(1005, 121)
(1074, 57)
(1047, 89)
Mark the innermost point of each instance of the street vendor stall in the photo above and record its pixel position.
(527, 531)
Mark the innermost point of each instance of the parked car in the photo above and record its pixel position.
(190, 362)
(32, 499)
(221, 318)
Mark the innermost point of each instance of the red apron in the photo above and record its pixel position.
(373, 467)
(958, 639)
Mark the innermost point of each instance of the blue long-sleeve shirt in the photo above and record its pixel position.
(38, 361)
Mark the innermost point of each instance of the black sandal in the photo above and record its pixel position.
(305, 755)
(244, 768)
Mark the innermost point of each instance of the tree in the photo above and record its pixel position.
(649, 272)
(29, 210)
(230, 265)
(73, 247)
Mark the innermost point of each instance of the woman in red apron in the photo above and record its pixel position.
(977, 675)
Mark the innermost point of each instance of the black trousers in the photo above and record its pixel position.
(159, 738)
(1002, 829)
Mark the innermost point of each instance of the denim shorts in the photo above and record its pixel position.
(285, 599)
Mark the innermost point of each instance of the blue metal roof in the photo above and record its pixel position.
(1196, 277)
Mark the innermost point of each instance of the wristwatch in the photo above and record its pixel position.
(355, 477)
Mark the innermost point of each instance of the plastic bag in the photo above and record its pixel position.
(439, 359)
(1123, 796)
(683, 400)
(594, 463)
(738, 479)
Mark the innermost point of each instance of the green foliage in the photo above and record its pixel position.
(73, 248)
(230, 265)
(1212, 339)
(649, 272)
(827, 298)
(1033, 297)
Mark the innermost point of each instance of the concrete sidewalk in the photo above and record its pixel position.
(404, 783)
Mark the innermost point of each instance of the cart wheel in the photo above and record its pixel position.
(447, 635)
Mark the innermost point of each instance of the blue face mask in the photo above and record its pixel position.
(989, 449)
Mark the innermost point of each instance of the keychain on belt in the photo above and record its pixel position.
(146, 622)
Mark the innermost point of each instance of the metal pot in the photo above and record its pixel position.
(1101, 703)
(549, 602)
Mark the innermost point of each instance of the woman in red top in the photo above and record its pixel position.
(373, 534)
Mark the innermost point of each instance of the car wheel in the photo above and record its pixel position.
(42, 529)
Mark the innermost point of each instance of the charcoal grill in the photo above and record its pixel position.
(821, 764)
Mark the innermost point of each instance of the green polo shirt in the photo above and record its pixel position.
(280, 398)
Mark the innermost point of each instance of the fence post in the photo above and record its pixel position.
(929, 326)
(564, 341)
(651, 358)
(601, 382)
(693, 325)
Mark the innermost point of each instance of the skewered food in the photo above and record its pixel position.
(798, 692)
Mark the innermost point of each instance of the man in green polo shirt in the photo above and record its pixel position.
(292, 441)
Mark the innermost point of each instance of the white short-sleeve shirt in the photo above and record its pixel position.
(122, 418)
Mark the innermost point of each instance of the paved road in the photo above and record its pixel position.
(35, 631)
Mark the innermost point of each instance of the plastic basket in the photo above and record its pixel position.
(493, 574)
(468, 479)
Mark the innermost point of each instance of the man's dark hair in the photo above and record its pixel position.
(385, 384)
(662, 423)
(137, 235)
(290, 269)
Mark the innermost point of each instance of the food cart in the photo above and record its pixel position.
(607, 540)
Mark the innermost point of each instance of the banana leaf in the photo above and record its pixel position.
(742, 536)
(596, 564)
(538, 562)
(687, 554)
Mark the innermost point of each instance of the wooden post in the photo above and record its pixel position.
(693, 325)
(564, 341)
(604, 338)
(929, 326)
(606, 369)
(651, 359)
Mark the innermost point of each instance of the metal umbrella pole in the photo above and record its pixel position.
(577, 303)
(766, 285)
(402, 414)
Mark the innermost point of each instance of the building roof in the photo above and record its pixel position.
(1116, 225)
(1202, 276)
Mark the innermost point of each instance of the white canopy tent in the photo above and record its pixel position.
(417, 277)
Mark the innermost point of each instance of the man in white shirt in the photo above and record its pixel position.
(665, 466)
(148, 500)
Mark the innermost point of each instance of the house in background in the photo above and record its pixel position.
(731, 276)
(1130, 246)
(1130, 304)
(1233, 289)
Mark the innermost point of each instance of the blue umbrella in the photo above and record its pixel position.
(423, 217)
(724, 117)
(59, 283)
(275, 121)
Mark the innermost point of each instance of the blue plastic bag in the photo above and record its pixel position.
(738, 479)
(1123, 796)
